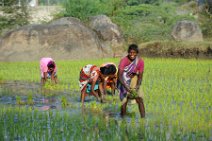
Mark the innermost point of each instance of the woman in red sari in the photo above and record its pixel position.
(130, 74)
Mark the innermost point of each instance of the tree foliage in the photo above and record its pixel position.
(51, 2)
(83, 9)
(142, 20)
(14, 14)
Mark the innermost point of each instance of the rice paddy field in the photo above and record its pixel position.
(178, 102)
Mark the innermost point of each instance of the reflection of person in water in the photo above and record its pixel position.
(92, 81)
(130, 73)
(48, 69)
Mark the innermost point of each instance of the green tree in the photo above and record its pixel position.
(14, 14)
(81, 9)
(51, 2)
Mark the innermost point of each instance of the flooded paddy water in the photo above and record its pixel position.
(20, 93)
(177, 99)
(31, 112)
(28, 108)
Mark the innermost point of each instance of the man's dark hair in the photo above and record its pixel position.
(133, 47)
(108, 70)
(51, 64)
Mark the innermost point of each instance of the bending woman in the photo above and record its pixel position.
(92, 81)
(48, 69)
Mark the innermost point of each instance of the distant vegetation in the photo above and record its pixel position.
(13, 14)
(139, 20)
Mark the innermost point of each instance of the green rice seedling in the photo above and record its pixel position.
(64, 102)
(30, 99)
(133, 94)
(177, 98)
(95, 107)
(19, 101)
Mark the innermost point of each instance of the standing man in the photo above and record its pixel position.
(48, 69)
(130, 74)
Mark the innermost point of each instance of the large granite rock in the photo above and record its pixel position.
(187, 31)
(66, 38)
(109, 34)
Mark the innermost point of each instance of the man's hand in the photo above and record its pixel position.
(137, 88)
(128, 89)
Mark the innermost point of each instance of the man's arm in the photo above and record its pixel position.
(44, 78)
(139, 80)
(104, 83)
(140, 74)
(115, 81)
(120, 74)
(93, 85)
(53, 79)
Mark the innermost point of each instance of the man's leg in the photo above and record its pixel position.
(42, 81)
(101, 92)
(53, 77)
(140, 103)
(113, 88)
(82, 97)
(139, 99)
(124, 108)
(55, 80)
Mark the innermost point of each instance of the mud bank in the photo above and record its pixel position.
(201, 50)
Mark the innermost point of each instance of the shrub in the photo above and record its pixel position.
(13, 15)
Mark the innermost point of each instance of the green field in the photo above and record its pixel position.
(178, 102)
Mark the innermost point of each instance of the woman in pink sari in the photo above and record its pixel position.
(48, 69)
(130, 73)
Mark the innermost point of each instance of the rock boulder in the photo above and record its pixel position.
(109, 33)
(66, 38)
(187, 31)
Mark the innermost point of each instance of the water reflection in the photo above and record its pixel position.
(34, 95)
(47, 119)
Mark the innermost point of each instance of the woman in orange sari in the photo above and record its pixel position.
(111, 80)
(92, 81)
